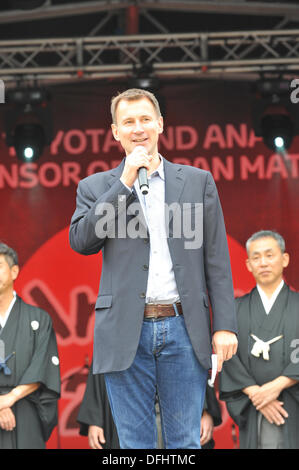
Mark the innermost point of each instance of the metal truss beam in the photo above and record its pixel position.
(59, 11)
(169, 55)
(236, 7)
(239, 7)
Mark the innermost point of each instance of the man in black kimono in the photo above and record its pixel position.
(260, 384)
(96, 421)
(211, 417)
(29, 365)
(95, 417)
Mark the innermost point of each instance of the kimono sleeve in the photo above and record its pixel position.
(95, 410)
(91, 412)
(211, 405)
(233, 378)
(291, 370)
(44, 368)
(291, 367)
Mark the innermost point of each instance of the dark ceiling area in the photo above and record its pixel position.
(44, 43)
(59, 40)
(63, 18)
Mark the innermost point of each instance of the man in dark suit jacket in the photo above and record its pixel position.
(164, 255)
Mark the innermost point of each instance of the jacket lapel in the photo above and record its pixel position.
(116, 173)
(174, 184)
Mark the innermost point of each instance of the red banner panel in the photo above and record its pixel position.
(207, 125)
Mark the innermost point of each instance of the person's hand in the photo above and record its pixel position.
(251, 390)
(7, 419)
(271, 390)
(225, 345)
(7, 401)
(274, 412)
(135, 160)
(206, 428)
(265, 394)
(96, 437)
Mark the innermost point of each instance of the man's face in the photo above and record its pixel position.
(266, 261)
(7, 275)
(137, 123)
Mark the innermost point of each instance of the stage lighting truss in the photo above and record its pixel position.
(247, 53)
(28, 122)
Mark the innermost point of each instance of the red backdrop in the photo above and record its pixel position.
(207, 125)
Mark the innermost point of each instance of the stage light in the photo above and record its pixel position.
(28, 122)
(143, 78)
(29, 142)
(23, 96)
(146, 83)
(277, 130)
(275, 118)
(28, 153)
(279, 142)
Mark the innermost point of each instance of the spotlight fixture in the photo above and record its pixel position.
(143, 78)
(23, 96)
(146, 83)
(277, 130)
(28, 122)
(29, 141)
(275, 117)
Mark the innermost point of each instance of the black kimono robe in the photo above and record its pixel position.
(28, 343)
(95, 410)
(244, 369)
(211, 405)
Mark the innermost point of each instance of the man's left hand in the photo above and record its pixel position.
(225, 345)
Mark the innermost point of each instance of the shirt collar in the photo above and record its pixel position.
(275, 293)
(160, 170)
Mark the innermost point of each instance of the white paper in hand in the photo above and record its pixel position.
(214, 370)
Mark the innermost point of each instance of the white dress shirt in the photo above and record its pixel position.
(161, 286)
(268, 302)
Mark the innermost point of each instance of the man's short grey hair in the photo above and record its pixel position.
(9, 254)
(133, 94)
(264, 234)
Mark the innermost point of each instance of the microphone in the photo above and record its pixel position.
(142, 178)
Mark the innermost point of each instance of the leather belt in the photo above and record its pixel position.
(162, 310)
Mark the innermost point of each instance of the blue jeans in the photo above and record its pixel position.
(166, 365)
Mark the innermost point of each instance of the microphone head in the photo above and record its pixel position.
(144, 189)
